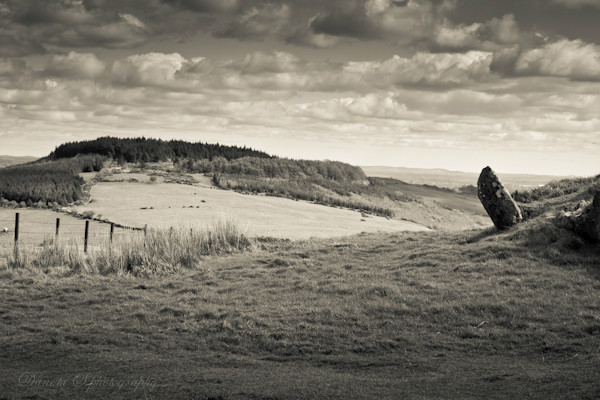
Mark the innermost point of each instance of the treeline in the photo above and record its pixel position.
(557, 189)
(152, 150)
(46, 183)
(280, 168)
(335, 195)
(330, 183)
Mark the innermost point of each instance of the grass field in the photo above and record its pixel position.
(164, 205)
(424, 315)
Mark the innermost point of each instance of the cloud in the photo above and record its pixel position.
(573, 59)
(11, 66)
(493, 35)
(425, 69)
(446, 100)
(32, 27)
(402, 22)
(205, 6)
(58, 12)
(578, 3)
(258, 23)
(75, 65)
(306, 37)
(503, 30)
(147, 69)
(116, 35)
(460, 37)
(132, 20)
(277, 61)
(374, 105)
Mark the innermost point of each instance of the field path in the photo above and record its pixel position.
(164, 205)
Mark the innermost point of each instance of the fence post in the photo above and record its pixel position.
(145, 230)
(16, 228)
(16, 250)
(57, 227)
(85, 240)
(112, 230)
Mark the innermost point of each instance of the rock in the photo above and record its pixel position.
(496, 200)
(588, 220)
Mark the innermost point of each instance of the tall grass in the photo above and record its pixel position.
(160, 251)
(558, 188)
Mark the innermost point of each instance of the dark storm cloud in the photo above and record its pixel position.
(574, 19)
(205, 6)
(30, 27)
(353, 24)
(256, 23)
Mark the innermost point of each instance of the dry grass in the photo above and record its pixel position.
(157, 252)
(410, 315)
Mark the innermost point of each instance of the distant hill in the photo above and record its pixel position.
(6, 161)
(456, 179)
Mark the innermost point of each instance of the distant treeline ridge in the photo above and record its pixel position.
(152, 150)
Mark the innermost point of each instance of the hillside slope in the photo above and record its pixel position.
(6, 161)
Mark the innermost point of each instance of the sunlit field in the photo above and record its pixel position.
(166, 205)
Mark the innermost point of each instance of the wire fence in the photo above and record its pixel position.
(28, 232)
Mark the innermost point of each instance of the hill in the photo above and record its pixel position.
(240, 169)
(6, 161)
(456, 179)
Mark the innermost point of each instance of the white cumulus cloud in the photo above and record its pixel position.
(566, 58)
(75, 65)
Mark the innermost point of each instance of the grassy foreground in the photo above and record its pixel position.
(412, 315)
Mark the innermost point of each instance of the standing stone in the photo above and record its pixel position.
(496, 200)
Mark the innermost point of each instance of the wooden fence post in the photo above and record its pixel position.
(112, 230)
(16, 228)
(16, 250)
(85, 240)
(57, 227)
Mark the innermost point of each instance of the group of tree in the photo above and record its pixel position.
(280, 168)
(141, 149)
(45, 183)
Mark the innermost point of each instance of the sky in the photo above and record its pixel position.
(454, 84)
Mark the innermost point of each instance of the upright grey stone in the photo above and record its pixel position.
(496, 200)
